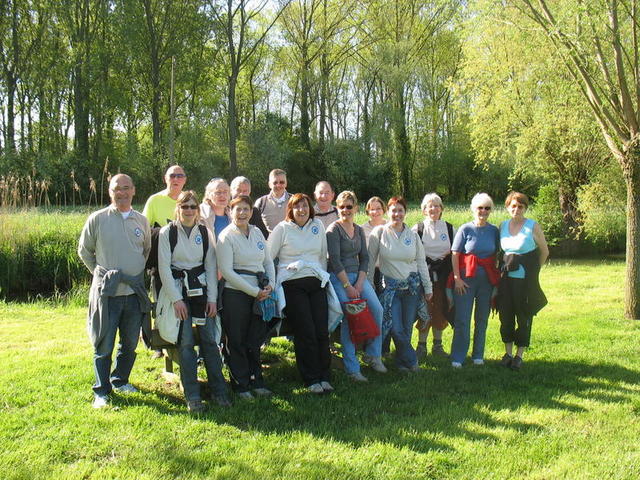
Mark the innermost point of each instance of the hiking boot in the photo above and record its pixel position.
(221, 400)
(506, 360)
(438, 350)
(327, 387)
(195, 407)
(516, 363)
(376, 364)
(421, 351)
(263, 392)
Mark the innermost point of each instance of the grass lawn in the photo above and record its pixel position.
(572, 412)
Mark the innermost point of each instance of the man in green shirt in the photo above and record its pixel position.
(160, 207)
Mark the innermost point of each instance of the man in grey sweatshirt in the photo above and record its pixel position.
(114, 245)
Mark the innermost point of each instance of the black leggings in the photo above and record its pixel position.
(307, 312)
(515, 325)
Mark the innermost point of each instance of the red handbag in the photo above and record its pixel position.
(362, 326)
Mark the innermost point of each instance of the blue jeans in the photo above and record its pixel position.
(189, 360)
(125, 317)
(373, 348)
(479, 291)
(404, 311)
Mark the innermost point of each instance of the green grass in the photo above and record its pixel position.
(572, 412)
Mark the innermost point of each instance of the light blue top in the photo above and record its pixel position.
(520, 243)
(220, 224)
(480, 241)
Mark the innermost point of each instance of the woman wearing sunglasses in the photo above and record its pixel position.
(348, 266)
(474, 277)
(187, 299)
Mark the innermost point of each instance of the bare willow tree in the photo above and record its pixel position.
(598, 40)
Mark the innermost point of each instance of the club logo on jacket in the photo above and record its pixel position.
(407, 241)
(443, 237)
(315, 230)
(260, 245)
(198, 239)
(137, 232)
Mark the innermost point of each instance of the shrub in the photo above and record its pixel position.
(549, 215)
(602, 204)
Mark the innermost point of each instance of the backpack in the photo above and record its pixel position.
(449, 231)
(152, 260)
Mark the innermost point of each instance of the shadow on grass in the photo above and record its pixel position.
(416, 411)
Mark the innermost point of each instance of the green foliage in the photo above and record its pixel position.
(602, 204)
(38, 253)
(549, 214)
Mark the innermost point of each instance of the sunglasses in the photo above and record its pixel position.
(177, 175)
(279, 183)
(484, 208)
(348, 207)
(189, 207)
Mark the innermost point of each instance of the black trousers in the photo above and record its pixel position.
(515, 324)
(244, 333)
(307, 312)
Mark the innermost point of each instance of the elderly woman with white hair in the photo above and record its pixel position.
(214, 209)
(475, 275)
(437, 237)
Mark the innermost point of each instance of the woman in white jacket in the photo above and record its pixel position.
(249, 277)
(300, 245)
(187, 267)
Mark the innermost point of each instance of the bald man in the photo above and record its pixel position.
(160, 207)
(114, 245)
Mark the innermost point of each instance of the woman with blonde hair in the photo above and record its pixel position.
(214, 210)
(187, 267)
(348, 266)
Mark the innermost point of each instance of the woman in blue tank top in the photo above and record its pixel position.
(520, 298)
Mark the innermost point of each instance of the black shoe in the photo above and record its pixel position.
(516, 363)
(221, 400)
(507, 360)
(196, 407)
(438, 350)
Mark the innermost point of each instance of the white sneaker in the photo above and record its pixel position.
(377, 365)
(100, 401)
(126, 388)
(326, 386)
(315, 388)
(478, 361)
(456, 364)
(357, 377)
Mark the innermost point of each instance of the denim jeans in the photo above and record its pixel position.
(189, 360)
(479, 291)
(125, 317)
(373, 348)
(404, 311)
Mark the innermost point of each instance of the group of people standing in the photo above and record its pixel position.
(286, 256)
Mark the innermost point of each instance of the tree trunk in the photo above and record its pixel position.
(80, 113)
(402, 145)
(10, 141)
(231, 125)
(631, 171)
(305, 122)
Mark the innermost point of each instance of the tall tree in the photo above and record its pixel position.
(601, 51)
(239, 22)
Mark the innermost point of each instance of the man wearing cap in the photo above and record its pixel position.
(114, 245)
